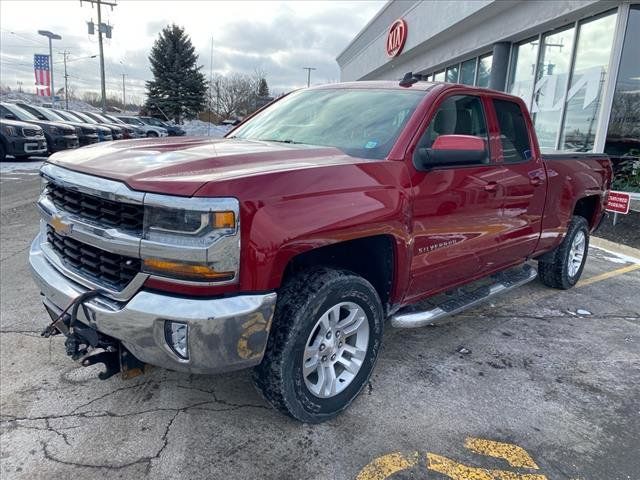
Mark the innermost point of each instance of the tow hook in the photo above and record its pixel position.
(85, 344)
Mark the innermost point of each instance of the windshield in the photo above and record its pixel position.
(20, 113)
(112, 119)
(360, 122)
(99, 118)
(131, 121)
(84, 118)
(153, 121)
(50, 115)
(67, 116)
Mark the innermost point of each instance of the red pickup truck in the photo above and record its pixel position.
(286, 245)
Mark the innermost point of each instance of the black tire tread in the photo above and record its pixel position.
(295, 295)
(552, 270)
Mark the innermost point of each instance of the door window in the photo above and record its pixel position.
(514, 135)
(457, 115)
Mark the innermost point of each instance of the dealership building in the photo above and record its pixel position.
(575, 63)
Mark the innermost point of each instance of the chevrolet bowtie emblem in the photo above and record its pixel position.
(61, 226)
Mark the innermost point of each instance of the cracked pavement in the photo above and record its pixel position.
(564, 386)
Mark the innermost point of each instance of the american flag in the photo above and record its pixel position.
(43, 77)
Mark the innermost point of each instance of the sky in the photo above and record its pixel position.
(278, 38)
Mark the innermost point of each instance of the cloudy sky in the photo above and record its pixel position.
(277, 37)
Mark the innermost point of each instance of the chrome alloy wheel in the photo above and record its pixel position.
(335, 349)
(576, 253)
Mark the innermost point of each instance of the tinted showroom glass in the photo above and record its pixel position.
(514, 135)
(360, 122)
(457, 115)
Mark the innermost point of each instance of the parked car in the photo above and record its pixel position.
(128, 131)
(286, 245)
(87, 134)
(21, 140)
(149, 130)
(172, 130)
(117, 133)
(140, 132)
(59, 135)
(104, 133)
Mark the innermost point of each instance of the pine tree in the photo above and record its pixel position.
(178, 87)
(263, 88)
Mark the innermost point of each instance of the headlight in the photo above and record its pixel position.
(56, 131)
(194, 239)
(10, 131)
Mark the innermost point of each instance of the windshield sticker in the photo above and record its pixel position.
(371, 144)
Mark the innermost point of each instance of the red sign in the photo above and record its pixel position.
(618, 202)
(396, 37)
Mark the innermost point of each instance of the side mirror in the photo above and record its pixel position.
(451, 150)
(10, 116)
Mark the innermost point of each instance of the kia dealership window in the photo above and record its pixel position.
(438, 76)
(484, 70)
(452, 74)
(363, 123)
(584, 97)
(623, 135)
(551, 82)
(523, 66)
(468, 72)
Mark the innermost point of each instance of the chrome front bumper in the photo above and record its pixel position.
(224, 334)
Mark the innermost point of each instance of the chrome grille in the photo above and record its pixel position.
(107, 213)
(105, 268)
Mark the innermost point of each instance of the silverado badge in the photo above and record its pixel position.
(61, 226)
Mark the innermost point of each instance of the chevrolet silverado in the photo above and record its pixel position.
(286, 245)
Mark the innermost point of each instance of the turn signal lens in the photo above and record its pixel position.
(188, 271)
(224, 220)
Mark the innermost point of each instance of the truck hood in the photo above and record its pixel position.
(180, 166)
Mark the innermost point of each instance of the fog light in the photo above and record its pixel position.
(176, 335)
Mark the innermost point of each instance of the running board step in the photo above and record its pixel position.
(456, 303)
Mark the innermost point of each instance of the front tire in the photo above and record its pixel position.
(323, 345)
(563, 267)
(151, 134)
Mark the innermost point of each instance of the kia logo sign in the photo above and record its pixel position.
(396, 37)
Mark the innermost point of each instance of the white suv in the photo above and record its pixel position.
(150, 130)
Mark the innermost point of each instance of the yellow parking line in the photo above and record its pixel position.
(515, 455)
(458, 471)
(607, 275)
(386, 465)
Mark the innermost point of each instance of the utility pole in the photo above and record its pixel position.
(51, 36)
(66, 85)
(124, 98)
(107, 29)
(308, 69)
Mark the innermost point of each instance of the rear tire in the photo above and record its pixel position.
(563, 267)
(324, 343)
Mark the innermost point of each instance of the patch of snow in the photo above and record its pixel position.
(198, 128)
(580, 311)
(19, 166)
(620, 256)
(615, 259)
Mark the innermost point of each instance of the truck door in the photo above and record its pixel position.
(521, 181)
(456, 212)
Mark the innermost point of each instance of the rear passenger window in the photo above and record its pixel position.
(514, 135)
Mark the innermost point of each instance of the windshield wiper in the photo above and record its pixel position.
(279, 141)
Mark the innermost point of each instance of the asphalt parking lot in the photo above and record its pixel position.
(548, 387)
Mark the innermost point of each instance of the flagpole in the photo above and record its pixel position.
(51, 36)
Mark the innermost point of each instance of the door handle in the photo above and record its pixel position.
(535, 181)
(491, 187)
